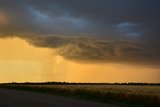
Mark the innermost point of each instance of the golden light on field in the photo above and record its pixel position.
(21, 62)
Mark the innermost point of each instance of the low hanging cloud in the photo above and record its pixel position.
(90, 49)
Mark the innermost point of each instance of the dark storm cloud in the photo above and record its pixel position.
(127, 27)
(89, 49)
(92, 17)
(100, 17)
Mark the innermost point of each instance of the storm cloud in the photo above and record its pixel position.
(70, 17)
(87, 29)
(92, 50)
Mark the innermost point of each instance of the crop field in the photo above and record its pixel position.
(129, 95)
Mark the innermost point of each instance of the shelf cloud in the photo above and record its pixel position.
(105, 30)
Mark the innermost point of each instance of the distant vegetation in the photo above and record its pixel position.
(129, 94)
(74, 83)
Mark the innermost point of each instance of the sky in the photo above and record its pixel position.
(80, 40)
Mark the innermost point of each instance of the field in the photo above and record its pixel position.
(128, 95)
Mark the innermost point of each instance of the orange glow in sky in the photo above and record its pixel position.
(3, 19)
(21, 62)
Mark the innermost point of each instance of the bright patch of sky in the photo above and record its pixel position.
(39, 16)
(60, 23)
(129, 29)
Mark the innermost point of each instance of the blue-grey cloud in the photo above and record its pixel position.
(93, 18)
(132, 22)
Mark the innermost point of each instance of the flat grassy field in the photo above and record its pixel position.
(127, 95)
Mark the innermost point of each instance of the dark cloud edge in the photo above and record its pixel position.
(91, 50)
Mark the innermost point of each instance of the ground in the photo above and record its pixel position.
(15, 98)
